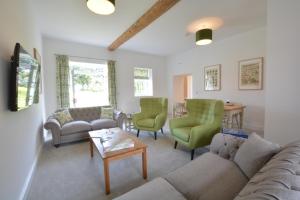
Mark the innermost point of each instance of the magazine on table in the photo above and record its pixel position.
(111, 141)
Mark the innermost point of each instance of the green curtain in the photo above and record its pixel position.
(62, 81)
(37, 86)
(112, 83)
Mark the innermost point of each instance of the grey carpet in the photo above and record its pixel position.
(69, 173)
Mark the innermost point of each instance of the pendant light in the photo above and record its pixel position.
(204, 36)
(101, 7)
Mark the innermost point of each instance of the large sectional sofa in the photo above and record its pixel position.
(84, 120)
(216, 175)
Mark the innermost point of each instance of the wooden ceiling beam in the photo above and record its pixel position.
(158, 9)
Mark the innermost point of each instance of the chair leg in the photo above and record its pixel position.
(175, 145)
(192, 154)
(162, 131)
(155, 135)
(138, 133)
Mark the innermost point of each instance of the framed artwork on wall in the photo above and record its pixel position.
(212, 78)
(251, 74)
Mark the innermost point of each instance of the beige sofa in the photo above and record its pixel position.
(84, 120)
(216, 176)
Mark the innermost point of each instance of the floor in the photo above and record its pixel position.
(68, 172)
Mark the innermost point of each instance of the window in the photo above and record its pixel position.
(88, 84)
(143, 85)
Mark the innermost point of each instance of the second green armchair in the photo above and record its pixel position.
(203, 121)
(153, 115)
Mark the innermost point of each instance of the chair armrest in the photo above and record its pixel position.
(54, 126)
(137, 116)
(160, 120)
(119, 117)
(181, 122)
(202, 135)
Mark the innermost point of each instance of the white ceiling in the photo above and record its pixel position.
(71, 20)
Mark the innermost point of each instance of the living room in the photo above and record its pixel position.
(264, 30)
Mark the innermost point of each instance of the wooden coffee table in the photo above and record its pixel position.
(139, 148)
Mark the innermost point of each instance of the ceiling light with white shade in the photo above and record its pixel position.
(101, 7)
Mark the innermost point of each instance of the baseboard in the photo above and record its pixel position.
(27, 184)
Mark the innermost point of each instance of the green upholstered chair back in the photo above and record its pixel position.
(205, 111)
(153, 106)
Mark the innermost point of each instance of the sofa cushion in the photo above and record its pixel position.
(254, 153)
(208, 177)
(182, 133)
(147, 123)
(63, 117)
(75, 127)
(156, 189)
(278, 179)
(107, 113)
(226, 145)
(103, 123)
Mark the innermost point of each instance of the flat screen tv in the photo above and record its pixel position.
(24, 80)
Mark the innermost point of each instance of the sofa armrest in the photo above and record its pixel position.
(54, 126)
(119, 117)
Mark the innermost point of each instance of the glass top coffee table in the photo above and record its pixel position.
(116, 134)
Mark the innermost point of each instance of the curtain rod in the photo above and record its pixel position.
(85, 57)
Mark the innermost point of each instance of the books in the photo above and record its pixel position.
(113, 140)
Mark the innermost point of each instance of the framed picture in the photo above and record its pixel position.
(212, 78)
(251, 74)
(38, 57)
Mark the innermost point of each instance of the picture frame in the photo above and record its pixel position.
(212, 78)
(251, 74)
(38, 57)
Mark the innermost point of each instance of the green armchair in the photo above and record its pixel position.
(197, 128)
(153, 115)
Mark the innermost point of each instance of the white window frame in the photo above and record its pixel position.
(83, 60)
(149, 93)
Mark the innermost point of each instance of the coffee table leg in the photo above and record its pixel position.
(144, 158)
(106, 176)
(91, 147)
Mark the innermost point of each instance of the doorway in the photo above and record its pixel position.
(182, 88)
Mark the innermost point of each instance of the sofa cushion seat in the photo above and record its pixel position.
(103, 123)
(159, 188)
(75, 126)
(182, 133)
(148, 123)
(208, 177)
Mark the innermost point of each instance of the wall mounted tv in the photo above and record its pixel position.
(24, 80)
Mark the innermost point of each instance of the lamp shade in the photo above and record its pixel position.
(101, 7)
(204, 37)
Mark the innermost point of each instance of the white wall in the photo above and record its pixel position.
(20, 132)
(226, 52)
(283, 70)
(125, 62)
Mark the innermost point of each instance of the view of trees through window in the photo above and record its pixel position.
(143, 85)
(88, 84)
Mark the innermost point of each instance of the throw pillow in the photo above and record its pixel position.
(254, 153)
(63, 117)
(107, 113)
